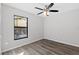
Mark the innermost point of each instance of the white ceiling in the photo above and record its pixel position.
(29, 7)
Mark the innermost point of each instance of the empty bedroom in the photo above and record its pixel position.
(40, 28)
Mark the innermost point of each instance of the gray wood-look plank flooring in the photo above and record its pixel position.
(44, 47)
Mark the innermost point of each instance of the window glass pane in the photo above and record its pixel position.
(20, 27)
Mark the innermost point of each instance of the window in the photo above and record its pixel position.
(20, 27)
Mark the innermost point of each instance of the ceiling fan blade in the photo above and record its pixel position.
(39, 8)
(40, 13)
(53, 11)
(50, 5)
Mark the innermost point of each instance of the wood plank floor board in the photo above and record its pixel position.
(57, 47)
(44, 47)
(42, 50)
(52, 48)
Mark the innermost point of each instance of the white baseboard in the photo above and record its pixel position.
(13, 48)
(19, 46)
(38, 40)
(64, 43)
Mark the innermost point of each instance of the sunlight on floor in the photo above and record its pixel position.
(22, 53)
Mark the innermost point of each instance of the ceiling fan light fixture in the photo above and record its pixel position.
(46, 10)
(46, 13)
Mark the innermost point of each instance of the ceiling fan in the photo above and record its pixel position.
(46, 10)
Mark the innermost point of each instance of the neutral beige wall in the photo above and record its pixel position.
(0, 28)
(63, 27)
(35, 28)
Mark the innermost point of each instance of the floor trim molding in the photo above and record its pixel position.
(19, 46)
(61, 42)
